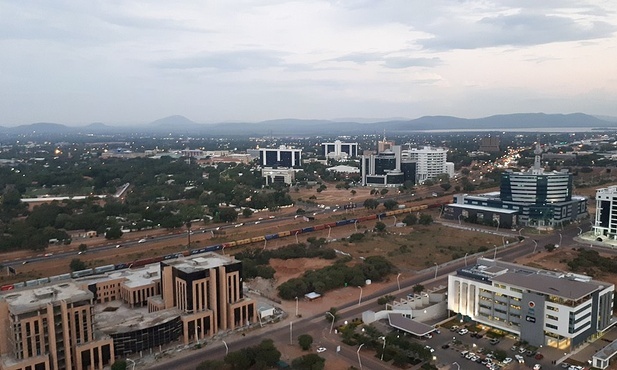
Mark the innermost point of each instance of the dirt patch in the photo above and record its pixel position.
(293, 268)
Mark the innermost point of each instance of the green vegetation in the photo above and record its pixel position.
(309, 362)
(336, 276)
(591, 263)
(77, 265)
(305, 341)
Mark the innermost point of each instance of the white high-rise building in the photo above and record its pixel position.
(606, 213)
(431, 162)
(339, 150)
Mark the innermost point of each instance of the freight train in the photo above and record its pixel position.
(218, 247)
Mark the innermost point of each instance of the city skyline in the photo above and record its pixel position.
(78, 63)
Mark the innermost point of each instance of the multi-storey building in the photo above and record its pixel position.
(85, 323)
(51, 327)
(280, 157)
(544, 308)
(387, 168)
(430, 162)
(539, 199)
(339, 150)
(606, 213)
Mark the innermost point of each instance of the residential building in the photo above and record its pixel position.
(282, 156)
(339, 150)
(543, 308)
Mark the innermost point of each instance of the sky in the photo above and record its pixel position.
(117, 62)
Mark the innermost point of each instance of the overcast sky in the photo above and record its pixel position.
(77, 62)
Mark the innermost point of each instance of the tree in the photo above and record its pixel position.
(371, 203)
(83, 247)
(210, 365)
(309, 362)
(119, 365)
(550, 247)
(305, 341)
(390, 204)
(410, 219)
(446, 186)
(77, 265)
(385, 299)
(425, 219)
(380, 226)
(418, 288)
(114, 232)
(227, 215)
(353, 192)
(247, 212)
(383, 191)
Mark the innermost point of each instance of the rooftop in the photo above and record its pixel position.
(29, 300)
(203, 262)
(117, 317)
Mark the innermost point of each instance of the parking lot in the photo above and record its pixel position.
(471, 351)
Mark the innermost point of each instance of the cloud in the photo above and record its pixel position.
(226, 60)
(521, 29)
(389, 61)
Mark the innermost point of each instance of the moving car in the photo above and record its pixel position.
(142, 241)
(321, 349)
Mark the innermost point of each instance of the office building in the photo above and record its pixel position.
(280, 157)
(278, 175)
(489, 144)
(543, 308)
(387, 168)
(430, 162)
(51, 327)
(88, 322)
(539, 199)
(605, 225)
(339, 150)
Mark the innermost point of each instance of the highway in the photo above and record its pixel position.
(318, 327)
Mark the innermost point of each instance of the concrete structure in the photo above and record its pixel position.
(430, 162)
(489, 144)
(540, 199)
(339, 150)
(281, 175)
(544, 308)
(88, 322)
(606, 213)
(51, 327)
(280, 157)
(387, 168)
(344, 169)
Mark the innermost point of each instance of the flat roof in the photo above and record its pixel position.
(399, 321)
(562, 287)
(118, 317)
(28, 300)
(132, 277)
(203, 262)
(484, 208)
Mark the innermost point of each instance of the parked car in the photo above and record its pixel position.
(537, 367)
(520, 359)
(321, 349)
(463, 331)
(506, 360)
(494, 341)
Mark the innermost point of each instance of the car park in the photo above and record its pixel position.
(321, 349)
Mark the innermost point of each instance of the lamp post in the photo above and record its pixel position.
(226, 348)
(458, 367)
(436, 267)
(398, 282)
(497, 225)
(560, 238)
(296, 306)
(459, 218)
(333, 319)
(360, 298)
(519, 234)
(580, 231)
(466, 258)
(535, 245)
(495, 254)
(383, 349)
(358, 352)
(132, 363)
(291, 326)
(503, 240)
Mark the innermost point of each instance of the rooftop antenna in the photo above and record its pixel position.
(537, 167)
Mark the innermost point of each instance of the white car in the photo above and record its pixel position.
(431, 349)
(537, 367)
(321, 349)
(118, 246)
(463, 331)
(142, 241)
(520, 359)
(507, 360)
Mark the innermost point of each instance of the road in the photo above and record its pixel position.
(318, 327)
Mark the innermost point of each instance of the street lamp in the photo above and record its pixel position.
(291, 326)
(497, 225)
(383, 349)
(226, 348)
(466, 258)
(459, 218)
(333, 319)
(535, 245)
(457, 365)
(132, 362)
(296, 306)
(580, 231)
(360, 298)
(560, 238)
(436, 267)
(495, 254)
(398, 281)
(358, 352)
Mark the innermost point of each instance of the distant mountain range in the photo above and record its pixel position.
(182, 125)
